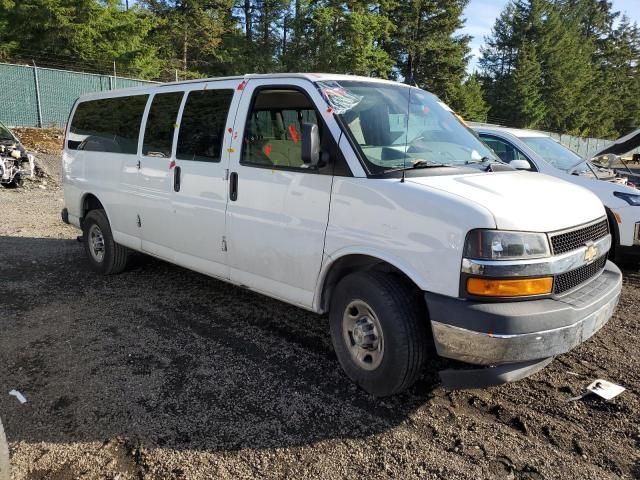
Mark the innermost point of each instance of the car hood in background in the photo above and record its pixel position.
(622, 145)
(522, 200)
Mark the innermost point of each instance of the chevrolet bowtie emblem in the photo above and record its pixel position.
(591, 253)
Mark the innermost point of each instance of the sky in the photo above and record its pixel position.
(481, 15)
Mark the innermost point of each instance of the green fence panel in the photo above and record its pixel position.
(47, 102)
(17, 96)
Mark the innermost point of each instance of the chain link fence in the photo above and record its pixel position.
(32, 96)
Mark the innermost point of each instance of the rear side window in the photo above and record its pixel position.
(161, 123)
(202, 125)
(107, 125)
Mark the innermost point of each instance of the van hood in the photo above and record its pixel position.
(522, 200)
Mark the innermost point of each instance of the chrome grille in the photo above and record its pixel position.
(567, 241)
(567, 281)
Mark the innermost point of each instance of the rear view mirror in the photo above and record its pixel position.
(520, 164)
(310, 144)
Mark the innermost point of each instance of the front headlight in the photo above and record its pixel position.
(630, 198)
(505, 245)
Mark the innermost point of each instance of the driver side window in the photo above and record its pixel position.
(505, 150)
(273, 132)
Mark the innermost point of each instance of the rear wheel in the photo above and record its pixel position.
(378, 328)
(105, 255)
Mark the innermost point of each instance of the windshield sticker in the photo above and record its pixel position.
(338, 98)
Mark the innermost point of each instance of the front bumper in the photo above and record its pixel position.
(489, 333)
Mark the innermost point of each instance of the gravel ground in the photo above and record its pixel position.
(161, 372)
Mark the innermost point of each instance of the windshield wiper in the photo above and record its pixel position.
(484, 159)
(428, 164)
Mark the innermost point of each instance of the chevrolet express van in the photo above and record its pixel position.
(362, 198)
(538, 152)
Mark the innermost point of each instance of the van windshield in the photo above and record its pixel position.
(398, 127)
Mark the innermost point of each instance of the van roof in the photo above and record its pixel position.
(312, 77)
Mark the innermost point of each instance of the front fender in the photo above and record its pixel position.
(329, 260)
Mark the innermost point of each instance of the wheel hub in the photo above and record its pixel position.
(96, 243)
(362, 334)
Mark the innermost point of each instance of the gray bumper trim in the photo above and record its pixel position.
(546, 334)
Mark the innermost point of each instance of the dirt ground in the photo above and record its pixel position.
(161, 372)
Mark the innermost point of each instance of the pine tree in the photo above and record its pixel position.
(623, 75)
(528, 107)
(425, 47)
(469, 102)
(189, 33)
(79, 34)
(542, 33)
(565, 56)
(497, 61)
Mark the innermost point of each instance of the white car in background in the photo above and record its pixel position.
(538, 152)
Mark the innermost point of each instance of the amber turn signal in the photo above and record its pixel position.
(489, 287)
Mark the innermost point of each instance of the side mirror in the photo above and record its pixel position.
(520, 164)
(310, 144)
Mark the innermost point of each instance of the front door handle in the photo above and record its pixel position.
(233, 186)
(176, 179)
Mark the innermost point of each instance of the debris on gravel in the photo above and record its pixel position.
(45, 144)
(161, 372)
(41, 140)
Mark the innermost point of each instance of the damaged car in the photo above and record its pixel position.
(617, 188)
(15, 162)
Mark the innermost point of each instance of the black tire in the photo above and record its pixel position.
(402, 317)
(614, 252)
(114, 256)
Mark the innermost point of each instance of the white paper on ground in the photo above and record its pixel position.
(18, 395)
(605, 389)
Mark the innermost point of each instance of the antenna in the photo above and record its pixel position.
(411, 81)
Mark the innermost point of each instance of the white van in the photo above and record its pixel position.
(538, 152)
(363, 198)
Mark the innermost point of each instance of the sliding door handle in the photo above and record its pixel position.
(176, 178)
(233, 186)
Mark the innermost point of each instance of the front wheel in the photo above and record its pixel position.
(378, 329)
(105, 255)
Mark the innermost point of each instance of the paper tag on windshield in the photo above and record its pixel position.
(605, 389)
